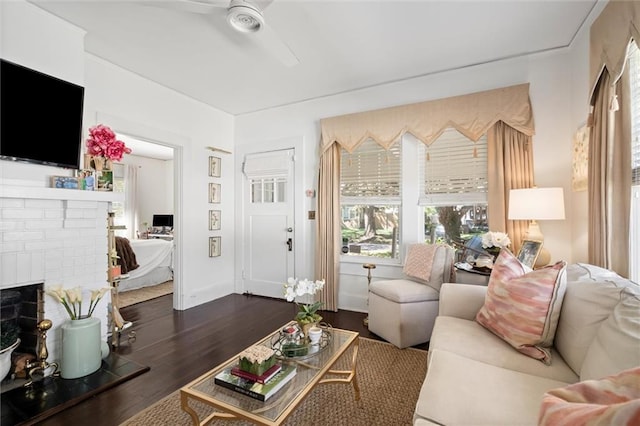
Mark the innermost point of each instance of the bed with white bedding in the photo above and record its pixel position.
(155, 258)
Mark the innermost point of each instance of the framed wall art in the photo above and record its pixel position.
(214, 192)
(214, 220)
(529, 252)
(214, 246)
(580, 166)
(215, 164)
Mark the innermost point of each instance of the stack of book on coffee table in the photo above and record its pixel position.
(257, 376)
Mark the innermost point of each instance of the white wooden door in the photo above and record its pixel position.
(269, 222)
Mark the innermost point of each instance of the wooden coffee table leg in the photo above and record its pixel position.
(351, 374)
(184, 403)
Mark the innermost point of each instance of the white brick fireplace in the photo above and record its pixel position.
(55, 237)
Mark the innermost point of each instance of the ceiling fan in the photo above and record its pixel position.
(244, 16)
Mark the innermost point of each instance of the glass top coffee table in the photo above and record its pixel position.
(310, 370)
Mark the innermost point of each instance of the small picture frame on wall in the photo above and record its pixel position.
(215, 164)
(214, 192)
(214, 246)
(214, 220)
(529, 252)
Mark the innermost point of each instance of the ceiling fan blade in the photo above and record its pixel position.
(272, 43)
(192, 6)
(262, 4)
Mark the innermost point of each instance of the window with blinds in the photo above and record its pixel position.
(453, 188)
(370, 194)
(371, 172)
(454, 169)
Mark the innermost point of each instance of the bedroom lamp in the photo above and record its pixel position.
(536, 204)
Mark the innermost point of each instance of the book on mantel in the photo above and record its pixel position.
(260, 391)
(263, 378)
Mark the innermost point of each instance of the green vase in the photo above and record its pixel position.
(81, 348)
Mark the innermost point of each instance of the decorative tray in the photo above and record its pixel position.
(300, 349)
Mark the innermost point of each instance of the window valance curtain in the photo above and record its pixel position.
(472, 115)
(610, 33)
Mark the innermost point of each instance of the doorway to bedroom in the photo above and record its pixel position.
(146, 176)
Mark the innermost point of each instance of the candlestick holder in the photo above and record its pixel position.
(368, 267)
(41, 364)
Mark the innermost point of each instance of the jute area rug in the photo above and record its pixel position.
(131, 297)
(389, 378)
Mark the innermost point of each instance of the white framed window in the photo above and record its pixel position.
(370, 194)
(634, 223)
(268, 190)
(268, 175)
(454, 187)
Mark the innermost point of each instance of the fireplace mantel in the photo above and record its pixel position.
(27, 190)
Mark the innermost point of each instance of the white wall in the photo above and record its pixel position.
(141, 108)
(155, 187)
(548, 75)
(133, 105)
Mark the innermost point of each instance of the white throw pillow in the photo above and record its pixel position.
(591, 295)
(616, 346)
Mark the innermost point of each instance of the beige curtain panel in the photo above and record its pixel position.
(610, 33)
(610, 135)
(510, 159)
(327, 256)
(472, 115)
(609, 187)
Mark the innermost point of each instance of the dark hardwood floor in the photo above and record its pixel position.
(179, 346)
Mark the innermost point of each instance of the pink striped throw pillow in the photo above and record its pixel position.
(614, 400)
(522, 307)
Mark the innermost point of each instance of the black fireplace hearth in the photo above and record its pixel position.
(46, 397)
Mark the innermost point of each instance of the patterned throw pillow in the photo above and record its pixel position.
(614, 400)
(522, 307)
(419, 260)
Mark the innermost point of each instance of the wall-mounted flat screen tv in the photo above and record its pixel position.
(40, 117)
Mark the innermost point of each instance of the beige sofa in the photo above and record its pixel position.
(475, 378)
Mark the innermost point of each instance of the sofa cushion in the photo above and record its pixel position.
(403, 291)
(471, 340)
(614, 400)
(587, 272)
(523, 308)
(590, 297)
(616, 346)
(461, 391)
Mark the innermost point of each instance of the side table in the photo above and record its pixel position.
(475, 278)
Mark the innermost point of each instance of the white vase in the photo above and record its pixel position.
(5, 359)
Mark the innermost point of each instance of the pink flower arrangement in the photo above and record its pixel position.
(102, 142)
